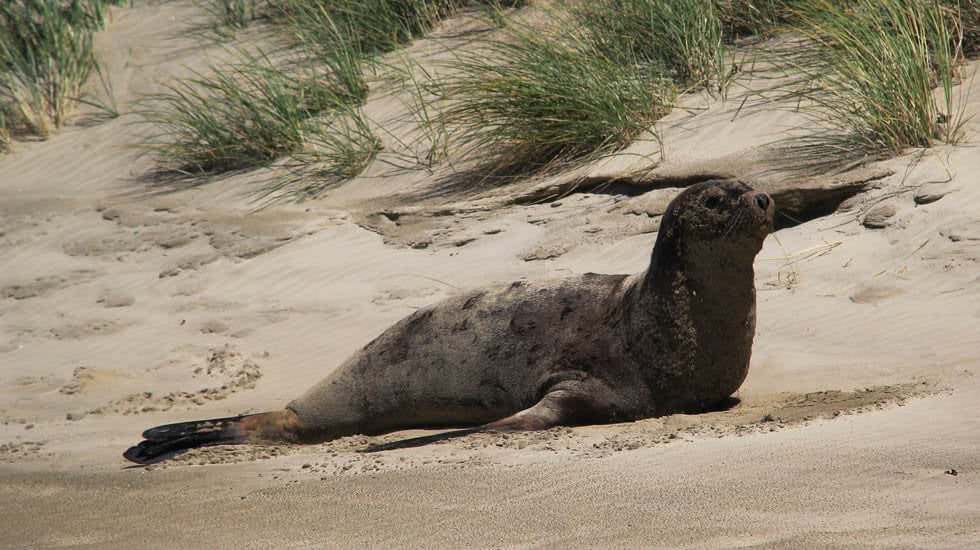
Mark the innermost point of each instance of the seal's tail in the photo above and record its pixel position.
(164, 441)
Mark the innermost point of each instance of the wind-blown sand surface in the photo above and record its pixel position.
(123, 306)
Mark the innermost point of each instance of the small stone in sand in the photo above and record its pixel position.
(115, 298)
(879, 217)
(850, 203)
(111, 214)
(931, 192)
(214, 327)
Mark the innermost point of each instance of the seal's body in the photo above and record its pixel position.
(588, 349)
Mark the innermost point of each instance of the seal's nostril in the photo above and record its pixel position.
(762, 200)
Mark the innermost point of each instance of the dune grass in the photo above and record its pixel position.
(531, 98)
(235, 14)
(968, 13)
(588, 85)
(46, 56)
(682, 39)
(243, 115)
(874, 76)
(336, 149)
(761, 18)
(255, 111)
(374, 26)
(4, 133)
(378, 25)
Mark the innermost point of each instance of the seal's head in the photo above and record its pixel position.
(721, 218)
(723, 210)
(720, 210)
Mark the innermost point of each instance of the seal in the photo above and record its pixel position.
(589, 349)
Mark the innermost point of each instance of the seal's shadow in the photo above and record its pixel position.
(726, 404)
(419, 441)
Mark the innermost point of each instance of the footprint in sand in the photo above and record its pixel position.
(86, 329)
(872, 294)
(87, 379)
(104, 245)
(33, 385)
(20, 451)
(190, 263)
(214, 326)
(223, 372)
(116, 298)
(400, 294)
(42, 286)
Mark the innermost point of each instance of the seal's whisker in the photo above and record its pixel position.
(788, 217)
(736, 219)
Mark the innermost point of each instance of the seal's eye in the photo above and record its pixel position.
(712, 202)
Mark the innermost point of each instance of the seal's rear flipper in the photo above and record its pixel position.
(163, 442)
(182, 429)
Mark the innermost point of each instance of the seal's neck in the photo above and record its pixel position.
(708, 268)
(693, 318)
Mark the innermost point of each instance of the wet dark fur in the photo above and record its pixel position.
(588, 349)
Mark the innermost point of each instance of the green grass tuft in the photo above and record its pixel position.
(46, 55)
(532, 98)
(4, 133)
(235, 14)
(240, 116)
(967, 13)
(337, 149)
(741, 18)
(372, 26)
(327, 42)
(870, 70)
(682, 39)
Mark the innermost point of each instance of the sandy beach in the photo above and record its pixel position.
(127, 303)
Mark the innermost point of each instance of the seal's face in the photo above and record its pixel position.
(719, 211)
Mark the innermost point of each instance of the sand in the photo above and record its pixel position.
(124, 305)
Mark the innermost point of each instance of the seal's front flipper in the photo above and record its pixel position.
(547, 413)
(570, 402)
(559, 407)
